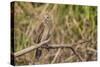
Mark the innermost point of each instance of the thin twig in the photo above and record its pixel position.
(54, 59)
(78, 55)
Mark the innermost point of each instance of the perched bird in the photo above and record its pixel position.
(43, 32)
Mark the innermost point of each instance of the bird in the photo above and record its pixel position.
(43, 32)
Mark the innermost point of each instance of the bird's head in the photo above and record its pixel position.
(47, 21)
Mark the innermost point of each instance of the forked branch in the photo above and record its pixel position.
(50, 46)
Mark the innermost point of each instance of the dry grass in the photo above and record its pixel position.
(70, 24)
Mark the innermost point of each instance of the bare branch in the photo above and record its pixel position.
(53, 46)
(66, 46)
(26, 50)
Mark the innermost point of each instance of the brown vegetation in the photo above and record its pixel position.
(67, 34)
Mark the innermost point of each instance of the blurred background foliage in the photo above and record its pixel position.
(71, 24)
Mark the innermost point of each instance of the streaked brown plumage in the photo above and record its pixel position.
(42, 33)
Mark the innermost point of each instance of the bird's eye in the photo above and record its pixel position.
(47, 17)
